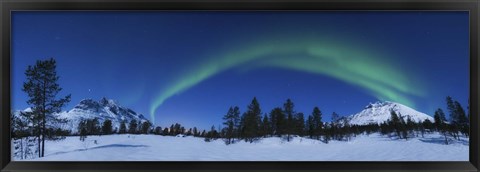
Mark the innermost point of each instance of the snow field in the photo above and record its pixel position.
(375, 147)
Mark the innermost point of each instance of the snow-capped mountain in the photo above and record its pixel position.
(103, 109)
(379, 112)
(89, 109)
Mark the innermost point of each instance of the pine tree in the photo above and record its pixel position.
(146, 127)
(310, 127)
(158, 130)
(229, 122)
(454, 117)
(42, 88)
(252, 121)
(410, 125)
(279, 121)
(14, 127)
(236, 122)
(177, 129)
(123, 127)
(421, 128)
(264, 126)
(243, 126)
(346, 130)
(172, 131)
(395, 123)
(328, 132)
(458, 118)
(451, 109)
(93, 127)
(132, 127)
(189, 132)
(182, 130)
(317, 122)
(139, 127)
(462, 119)
(165, 131)
(195, 132)
(335, 126)
(428, 125)
(300, 124)
(20, 130)
(212, 134)
(440, 123)
(107, 127)
(82, 129)
(288, 108)
(385, 128)
(403, 127)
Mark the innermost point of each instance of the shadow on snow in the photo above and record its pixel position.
(101, 147)
(442, 141)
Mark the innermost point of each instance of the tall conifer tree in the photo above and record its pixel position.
(42, 88)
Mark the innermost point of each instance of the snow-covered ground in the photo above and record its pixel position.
(168, 148)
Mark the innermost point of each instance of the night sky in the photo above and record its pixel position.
(190, 67)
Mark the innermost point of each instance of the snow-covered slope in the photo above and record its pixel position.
(89, 109)
(379, 112)
(103, 109)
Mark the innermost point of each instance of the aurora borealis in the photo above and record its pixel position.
(319, 57)
(189, 67)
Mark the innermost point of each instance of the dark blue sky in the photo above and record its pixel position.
(189, 67)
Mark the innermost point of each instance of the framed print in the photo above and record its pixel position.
(239, 85)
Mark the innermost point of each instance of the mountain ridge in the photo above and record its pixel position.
(102, 110)
(379, 112)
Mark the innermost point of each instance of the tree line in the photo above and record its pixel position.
(94, 127)
(285, 122)
(456, 126)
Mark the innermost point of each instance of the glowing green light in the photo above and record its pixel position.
(341, 61)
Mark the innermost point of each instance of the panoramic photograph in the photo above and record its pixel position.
(240, 86)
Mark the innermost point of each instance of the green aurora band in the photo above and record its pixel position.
(350, 64)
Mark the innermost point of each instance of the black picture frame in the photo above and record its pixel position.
(12, 5)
